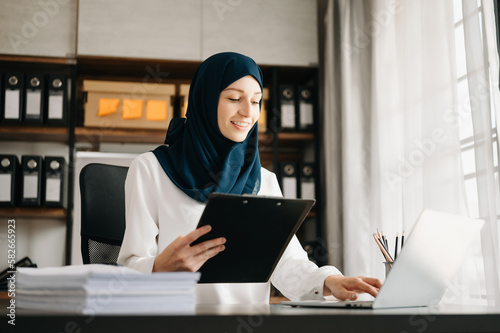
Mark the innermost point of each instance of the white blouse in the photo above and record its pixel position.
(157, 212)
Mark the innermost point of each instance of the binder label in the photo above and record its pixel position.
(53, 190)
(55, 107)
(306, 114)
(12, 104)
(308, 190)
(33, 102)
(30, 188)
(290, 187)
(5, 187)
(288, 116)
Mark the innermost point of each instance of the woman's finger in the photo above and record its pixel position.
(346, 295)
(372, 281)
(182, 242)
(200, 259)
(210, 253)
(360, 285)
(206, 245)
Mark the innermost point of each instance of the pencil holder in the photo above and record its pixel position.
(388, 266)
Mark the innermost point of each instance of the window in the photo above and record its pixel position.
(466, 132)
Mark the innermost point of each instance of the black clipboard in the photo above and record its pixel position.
(258, 230)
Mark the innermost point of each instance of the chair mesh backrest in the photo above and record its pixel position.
(102, 253)
(103, 212)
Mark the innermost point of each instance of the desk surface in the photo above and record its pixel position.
(268, 318)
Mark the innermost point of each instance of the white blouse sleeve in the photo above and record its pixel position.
(295, 276)
(139, 247)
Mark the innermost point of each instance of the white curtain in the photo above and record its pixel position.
(481, 58)
(391, 97)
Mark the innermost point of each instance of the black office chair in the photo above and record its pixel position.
(103, 212)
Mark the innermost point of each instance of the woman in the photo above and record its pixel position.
(214, 149)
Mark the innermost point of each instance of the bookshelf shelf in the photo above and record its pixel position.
(32, 212)
(29, 133)
(96, 135)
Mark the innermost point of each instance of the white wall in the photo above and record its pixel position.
(38, 28)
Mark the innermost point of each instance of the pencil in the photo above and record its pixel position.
(402, 239)
(376, 240)
(396, 247)
(387, 256)
(384, 239)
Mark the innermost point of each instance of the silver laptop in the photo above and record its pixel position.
(431, 256)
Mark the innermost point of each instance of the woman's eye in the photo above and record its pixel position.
(256, 102)
(234, 99)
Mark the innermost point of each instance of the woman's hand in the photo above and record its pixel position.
(181, 256)
(344, 288)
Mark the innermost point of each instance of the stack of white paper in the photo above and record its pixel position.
(104, 289)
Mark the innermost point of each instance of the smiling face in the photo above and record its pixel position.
(239, 108)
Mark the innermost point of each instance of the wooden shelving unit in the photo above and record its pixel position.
(24, 133)
(52, 134)
(32, 213)
(38, 60)
(120, 135)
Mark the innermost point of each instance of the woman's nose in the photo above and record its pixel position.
(245, 108)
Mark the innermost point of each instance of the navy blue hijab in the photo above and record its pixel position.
(197, 157)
